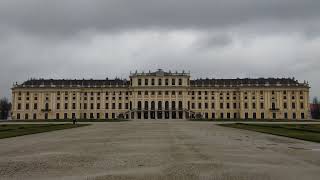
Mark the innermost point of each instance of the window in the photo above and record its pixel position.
(234, 105)
(85, 106)
(65, 116)
(160, 82)
(286, 115)
(261, 105)
(212, 105)
(146, 82)
(246, 105)
(302, 115)
(199, 105)
(301, 105)
(173, 82)
(58, 105)
(285, 106)
(180, 82)
(159, 105)
(146, 93)
(213, 115)
(66, 106)
(34, 116)
(228, 106)
(35, 106)
(166, 104)
(293, 105)
(19, 106)
(27, 106)
(152, 82)
(254, 115)
(139, 105)
(91, 106)
(120, 105)
(139, 82)
(47, 106)
(262, 115)
(253, 105)
(294, 115)
(206, 105)
(146, 105)
(221, 105)
(73, 105)
(273, 106)
(107, 106)
(180, 105)
(274, 115)
(167, 82)
(173, 105)
(98, 105)
(113, 105)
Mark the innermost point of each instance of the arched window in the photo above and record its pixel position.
(159, 105)
(146, 105)
(180, 104)
(153, 105)
(167, 105)
(173, 105)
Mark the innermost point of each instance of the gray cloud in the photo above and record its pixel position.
(212, 38)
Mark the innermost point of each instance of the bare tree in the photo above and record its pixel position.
(315, 109)
(5, 107)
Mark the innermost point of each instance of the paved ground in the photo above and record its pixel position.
(158, 150)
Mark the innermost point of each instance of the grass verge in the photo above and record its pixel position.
(308, 132)
(13, 130)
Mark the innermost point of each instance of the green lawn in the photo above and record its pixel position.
(12, 130)
(308, 132)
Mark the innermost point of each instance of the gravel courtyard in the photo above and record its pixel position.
(158, 150)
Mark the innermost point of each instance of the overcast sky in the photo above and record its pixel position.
(109, 38)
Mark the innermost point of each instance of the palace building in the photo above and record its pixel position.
(161, 95)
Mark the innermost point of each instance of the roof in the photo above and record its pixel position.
(247, 81)
(73, 83)
(160, 72)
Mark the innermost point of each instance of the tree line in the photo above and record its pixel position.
(315, 108)
(5, 107)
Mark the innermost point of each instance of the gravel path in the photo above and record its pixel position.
(158, 150)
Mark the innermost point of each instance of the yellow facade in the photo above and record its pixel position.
(161, 95)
